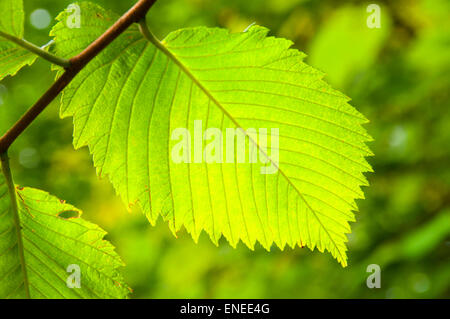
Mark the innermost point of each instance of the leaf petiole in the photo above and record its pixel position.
(15, 210)
(36, 50)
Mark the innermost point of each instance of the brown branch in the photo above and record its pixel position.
(78, 62)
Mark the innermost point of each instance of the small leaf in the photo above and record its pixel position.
(12, 56)
(50, 244)
(128, 100)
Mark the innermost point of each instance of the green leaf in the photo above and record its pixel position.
(128, 100)
(12, 57)
(34, 258)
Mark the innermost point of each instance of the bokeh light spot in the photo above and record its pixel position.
(40, 18)
(29, 158)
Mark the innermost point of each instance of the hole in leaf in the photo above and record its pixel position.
(69, 214)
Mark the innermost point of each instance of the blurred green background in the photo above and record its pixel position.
(397, 75)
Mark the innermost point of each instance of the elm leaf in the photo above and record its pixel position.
(12, 56)
(129, 100)
(42, 242)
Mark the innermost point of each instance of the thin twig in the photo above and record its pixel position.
(77, 63)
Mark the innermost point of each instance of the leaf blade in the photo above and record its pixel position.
(12, 57)
(49, 244)
(246, 80)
